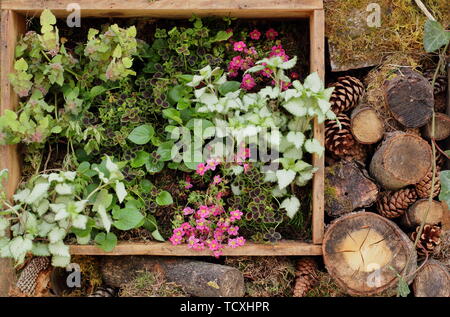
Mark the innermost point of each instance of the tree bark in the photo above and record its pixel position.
(433, 280)
(401, 160)
(366, 125)
(410, 98)
(363, 252)
(414, 216)
(197, 278)
(347, 188)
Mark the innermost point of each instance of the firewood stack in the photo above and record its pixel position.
(395, 177)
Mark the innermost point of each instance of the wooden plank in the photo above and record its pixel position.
(281, 248)
(11, 26)
(170, 8)
(317, 57)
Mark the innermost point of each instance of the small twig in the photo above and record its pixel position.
(425, 10)
(440, 150)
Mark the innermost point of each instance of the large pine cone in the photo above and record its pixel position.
(339, 141)
(357, 152)
(423, 188)
(394, 204)
(347, 92)
(104, 292)
(306, 276)
(429, 239)
(28, 277)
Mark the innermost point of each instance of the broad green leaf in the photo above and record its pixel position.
(141, 158)
(4, 224)
(39, 191)
(289, 64)
(285, 177)
(19, 247)
(157, 236)
(165, 151)
(291, 205)
(47, 18)
(222, 36)
(175, 93)
(21, 65)
(106, 241)
(313, 82)
(295, 106)
(173, 114)
(59, 248)
(164, 198)
(445, 187)
(64, 189)
(229, 86)
(296, 138)
(56, 234)
(314, 146)
(120, 191)
(142, 134)
(96, 91)
(435, 36)
(40, 249)
(60, 261)
(127, 218)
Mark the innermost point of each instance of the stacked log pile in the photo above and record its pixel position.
(383, 228)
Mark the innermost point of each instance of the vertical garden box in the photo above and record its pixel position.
(13, 23)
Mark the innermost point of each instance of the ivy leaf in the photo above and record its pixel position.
(106, 241)
(314, 146)
(291, 205)
(164, 198)
(445, 187)
(142, 134)
(435, 36)
(157, 236)
(285, 177)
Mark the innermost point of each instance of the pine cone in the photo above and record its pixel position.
(357, 152)
(104, 292)
(28, 277)
(440, 85)
(347, 92)
(429, 239)
(423, 188)
(339, 141)
(394, 204)
(306, 276)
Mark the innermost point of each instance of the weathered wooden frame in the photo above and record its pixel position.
(13, 13)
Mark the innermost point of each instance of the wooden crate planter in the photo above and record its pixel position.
(14, 13)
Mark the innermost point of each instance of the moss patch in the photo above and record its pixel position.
(151, 284)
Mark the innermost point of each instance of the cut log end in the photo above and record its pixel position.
(416, 213)
(403, 159)
(410, 98)
(433, 280)
(364, 252)
(347, 188)
(366, 125)
(441, 127)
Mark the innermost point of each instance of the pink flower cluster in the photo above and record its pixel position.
(209, 227)
(211, 164)
(278, 50)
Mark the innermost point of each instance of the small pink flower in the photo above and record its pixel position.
(246, 167)
(233, 73)
(266, 72)
(295, 75)
(233, 230)
(219, 195)
(230, 30)
(214, 245)
(192, 241)
(188, 184)
(201, 169)
(240, 241)
(176, 239)
(277, 50)
(217, 180)
(217, 253)
(188, 211)
(219, 234)
(198, 246)
(255, 34)
(285, 85)
(236, 62)
(185, 226)
(178, 232)
(235, 215)
(203, 212)
(201, 224)
(233, 243)
(248, 62)
(211, 164)
(239, 46)
(271, 34)
(248, 82)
